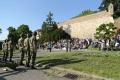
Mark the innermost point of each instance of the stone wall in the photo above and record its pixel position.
(85, 27)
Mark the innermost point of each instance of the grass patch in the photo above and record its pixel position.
(105, 64)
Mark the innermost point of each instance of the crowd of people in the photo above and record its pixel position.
(79, 44)
(27, 47)
(73, 44)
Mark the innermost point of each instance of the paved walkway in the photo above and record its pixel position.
(27, 74)
(24, 74)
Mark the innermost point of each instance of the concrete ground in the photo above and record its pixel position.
(27, 74)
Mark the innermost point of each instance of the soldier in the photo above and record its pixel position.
(10, 49)
(21, 48)
(4, 50)
(33, 49)
(27, 50)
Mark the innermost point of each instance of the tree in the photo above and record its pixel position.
(44, 33)
(50, 30)
(116, 3)
(11, 29)
(23, 29)
(63, 34)
(105, 32)
(12, 34)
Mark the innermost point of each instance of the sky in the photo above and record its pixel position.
(33, 12)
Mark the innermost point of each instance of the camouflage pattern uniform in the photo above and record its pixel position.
(5, 50)
(27, 50)
(21, 48)
(33, 48)
(10, 49)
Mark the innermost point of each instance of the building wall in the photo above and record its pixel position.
(85, 28)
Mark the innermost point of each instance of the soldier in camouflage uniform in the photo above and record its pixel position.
(33, 49)
(27, 50)
(10, 49)
(21, 48)
(4, 49)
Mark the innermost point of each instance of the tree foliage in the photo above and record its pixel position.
(14, 34)
(116, 3)
(50, 30)
(23, 29)
(105, 31)
(49, 33)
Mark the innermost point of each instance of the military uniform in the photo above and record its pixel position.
(10, 50)
(21, 48)
(5, 50)
(33, 49)
(27, 51)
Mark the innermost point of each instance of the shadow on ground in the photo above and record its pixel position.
(2, 78)
(56, 62)
(9, 73)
